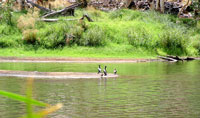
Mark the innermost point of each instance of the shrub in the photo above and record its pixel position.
(174, 42)
(9, 36)
(196, 43)
(29, 36)
(26, 23)
(94, 36)
(6, 13)
(138, 36)
(10, 41)
(52, 37)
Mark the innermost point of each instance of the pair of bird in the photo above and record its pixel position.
(105, 71)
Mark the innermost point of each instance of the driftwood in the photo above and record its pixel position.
(55, 20)
(167, 59)
(72, 7)
(38, 6)
(176, 58)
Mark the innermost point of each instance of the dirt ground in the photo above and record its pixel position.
(74, 60)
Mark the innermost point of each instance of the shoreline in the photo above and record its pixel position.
(73, 60)
(53, 75)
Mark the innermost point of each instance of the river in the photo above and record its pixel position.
(143, 90)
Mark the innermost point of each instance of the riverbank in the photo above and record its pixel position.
(73, 60)
(118, 34)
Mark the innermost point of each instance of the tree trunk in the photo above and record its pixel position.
(162, 7)
(157, 4)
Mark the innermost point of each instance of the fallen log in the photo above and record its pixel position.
(38, 6)
(55, 20)
(168, 59)
(190, 58)
(62, 10)
(176, 58)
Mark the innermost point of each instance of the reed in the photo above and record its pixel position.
(31, 102)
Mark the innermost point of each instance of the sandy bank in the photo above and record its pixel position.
(73, 60)
(56, 75)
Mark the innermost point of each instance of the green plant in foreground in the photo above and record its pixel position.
(30, 102)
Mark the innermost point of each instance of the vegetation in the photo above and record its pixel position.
(121, 33)
(31, 102)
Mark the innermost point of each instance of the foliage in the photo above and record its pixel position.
(26, 23)
(8, 40)
(94, 36)
(140, 37)
(147, 31)
(22, 98)
(174, 42)
(30, 102)
(6, 13)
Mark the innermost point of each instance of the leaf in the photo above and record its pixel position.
(45, 112)
(22, 98)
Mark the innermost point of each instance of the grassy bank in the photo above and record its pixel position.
(122, 34)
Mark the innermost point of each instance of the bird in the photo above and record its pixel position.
(105, 71)
(99, 69)
(115, 71)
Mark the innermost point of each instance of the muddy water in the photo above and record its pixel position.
(143, 90)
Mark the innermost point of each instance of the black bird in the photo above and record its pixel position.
(99, 69)
(115, 71)
(105, 71)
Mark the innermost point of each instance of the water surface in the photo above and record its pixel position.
(143, 90)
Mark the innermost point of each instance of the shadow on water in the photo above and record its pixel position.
(143, 90)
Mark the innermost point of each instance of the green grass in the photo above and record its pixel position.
(118, 34)
(80, 51)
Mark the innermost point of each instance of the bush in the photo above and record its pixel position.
(196, 43)
(174, 42)
(9, 36)
(6, 13)
(52, 36)
(10, 41)
(138, 36)
(94, 36)
(30, 36)
(26, 23)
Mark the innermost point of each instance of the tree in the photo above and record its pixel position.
(160, 5)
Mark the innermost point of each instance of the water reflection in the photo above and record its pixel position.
(144, 90)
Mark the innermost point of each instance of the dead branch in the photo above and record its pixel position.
(179, 13)
(62, 10)
(88, 18)
(176, 58)
(168, 59)
(38, 6)
(55, 20)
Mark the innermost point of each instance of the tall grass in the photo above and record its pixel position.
(26, 23)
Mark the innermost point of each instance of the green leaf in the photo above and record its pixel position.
(22, 98)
